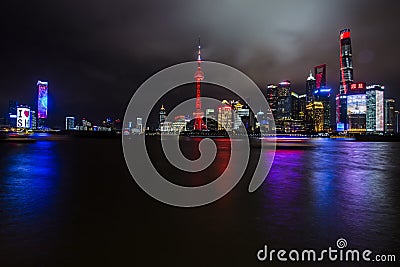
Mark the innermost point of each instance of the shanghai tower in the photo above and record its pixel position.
(346, 62)
(346, 79)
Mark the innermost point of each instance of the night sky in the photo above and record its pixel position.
(96, 53)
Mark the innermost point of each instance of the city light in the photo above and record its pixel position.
(42, 99)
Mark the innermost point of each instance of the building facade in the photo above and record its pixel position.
(42, 109)
(346, 77)
(323, 95)
(69, 123)
(315, 111)
(375, 108)
(390, 115)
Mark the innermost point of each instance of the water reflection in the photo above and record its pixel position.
(28, 175)
(337, 189)
(86, 207)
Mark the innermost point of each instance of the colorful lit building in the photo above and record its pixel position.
(346, 61)
(24, 117)
(284, 105)
(320, 76)
(323, 95)
(315, 111)
(356, 108)
(199, 76)
(42, 109)
(375, 108)
(346, 78)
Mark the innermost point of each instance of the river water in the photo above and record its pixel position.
(72, 202)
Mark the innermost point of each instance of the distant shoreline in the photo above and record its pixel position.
(216, 135)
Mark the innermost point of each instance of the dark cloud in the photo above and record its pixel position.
(95, 53)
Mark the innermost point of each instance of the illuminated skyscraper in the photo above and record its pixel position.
(310, 88)
(390, 115)
(272, 98)
(284, 105)
(24, 117)
(346, 78)
(320, 76)
(295, 108)
(375, 108)
(163, 115)
(323, 95)
(302, 107)
(346, 62)
(315, 111)
(33, 120)
(12, 113)
(139, 124)
(69, 123)
(42, 104)
(211, 119)
(225, 118)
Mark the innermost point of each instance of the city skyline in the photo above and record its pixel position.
(98, 53)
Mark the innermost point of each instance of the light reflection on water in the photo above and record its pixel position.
(28, 178)
(336, 189)
(309, 199)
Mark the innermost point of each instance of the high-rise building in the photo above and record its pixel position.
(162, 115)
(315, 111)
(310, 88)
(69, 123)
(375, 108)
(211, 119)
(284, 105)
(295, 105)
(346, 61)
(323, 95)
(320, 76)
(356, 112)
(272, 98)
(346, 78)
(302, 107)
(179, 124)
(33, 120)
(12, 113)
(225, 118)
(42, 104)
(390, 115)
(24, 117)
(139, 124)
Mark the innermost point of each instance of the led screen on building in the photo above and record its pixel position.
(23, 117)
(320, 76)
(42, 99)
(340, 127)
(356, 104)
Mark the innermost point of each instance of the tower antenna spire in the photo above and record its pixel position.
(199, 53)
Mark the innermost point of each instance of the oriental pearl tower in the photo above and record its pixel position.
(198, 76)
